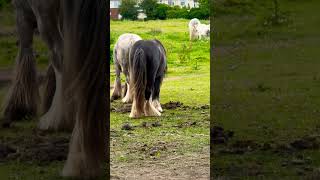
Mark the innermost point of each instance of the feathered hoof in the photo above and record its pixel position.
(135, 115)
(126, 100)
(75, 168)
(150, 110)
(157, 105)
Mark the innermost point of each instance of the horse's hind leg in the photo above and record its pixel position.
(117, 84)
(156, 94)
(49, 89)
(24, 94)
(149, 109)
(53, 119)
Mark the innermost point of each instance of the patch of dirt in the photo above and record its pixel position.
(35, 148)
(175, 167)
(219, 136)
(125, 108)
(308, 142)
(172, 105)
(241, 147)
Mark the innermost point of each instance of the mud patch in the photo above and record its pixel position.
(172, 105)
(241, 147)
(307, 142)
(219, 135)
(125, 108)
(38, 149)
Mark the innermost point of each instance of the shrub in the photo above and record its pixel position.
(128, 9)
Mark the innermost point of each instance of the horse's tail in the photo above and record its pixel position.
(85, 81)
(138, 77)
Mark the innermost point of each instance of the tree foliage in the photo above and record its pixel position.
(128, 9)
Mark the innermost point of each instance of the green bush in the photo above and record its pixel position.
(128, 9)
(198, 13)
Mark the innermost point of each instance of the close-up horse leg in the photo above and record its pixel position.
(128, 95)
(117, 84)
(49, 89)
(127, 98)
(53, 119)
(135, 111)
(24, 94)
(149, 109)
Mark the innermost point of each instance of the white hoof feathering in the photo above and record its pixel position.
(53, 119)
(134, 112)
(127, 98)
(150, 110)
(157, 105)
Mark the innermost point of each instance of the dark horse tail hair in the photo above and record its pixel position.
(85, 82)
(138, 78)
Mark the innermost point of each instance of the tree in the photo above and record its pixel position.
(161, 11)
(204, 5)
(128, 9)
(149, 7)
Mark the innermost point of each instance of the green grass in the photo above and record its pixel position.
(269, 78)
(187, 81)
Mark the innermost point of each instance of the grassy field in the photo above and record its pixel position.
(177, 143)
(266, 90)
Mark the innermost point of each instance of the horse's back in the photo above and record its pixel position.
(154, 53)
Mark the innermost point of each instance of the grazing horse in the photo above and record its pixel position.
(121, 63)
(147, 67)
(203, 31)
(198, 30)
(76, 98)
(193, 31)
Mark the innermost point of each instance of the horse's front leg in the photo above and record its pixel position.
(117, 84)
(24, 93)
(128, 94)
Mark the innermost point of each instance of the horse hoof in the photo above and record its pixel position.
(126, 100)
(135, 115)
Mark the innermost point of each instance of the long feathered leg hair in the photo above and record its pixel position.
(85, 81)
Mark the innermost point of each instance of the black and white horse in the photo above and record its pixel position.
(76, 90)
(147, 67)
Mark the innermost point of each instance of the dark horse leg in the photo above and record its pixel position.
(156, 93)
(24, 94)
(149, 109)
(85, 82)
(49, 89)
(48, 25)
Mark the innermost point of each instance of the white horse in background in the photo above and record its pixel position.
(121, 62)
(193, 31)
(203, 31)
(198, 30)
